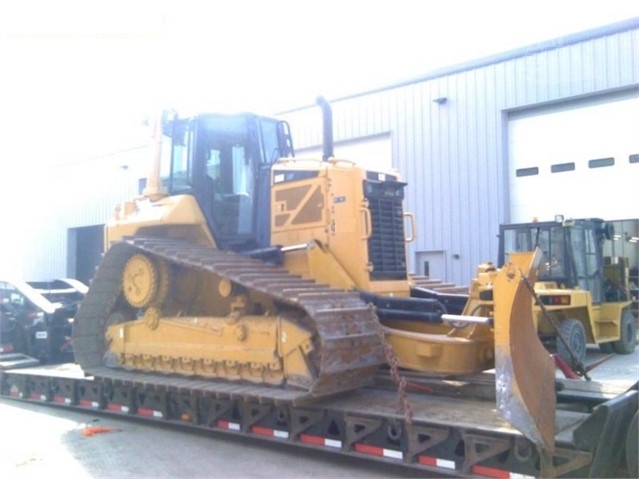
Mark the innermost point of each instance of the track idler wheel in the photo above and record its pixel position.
(145, 281)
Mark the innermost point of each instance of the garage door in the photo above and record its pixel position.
(579, 159)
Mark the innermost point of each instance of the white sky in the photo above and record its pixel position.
(78, 75)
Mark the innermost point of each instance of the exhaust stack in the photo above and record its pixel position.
(327, 128)
(154, 189)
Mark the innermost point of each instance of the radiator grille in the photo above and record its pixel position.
(386, 247)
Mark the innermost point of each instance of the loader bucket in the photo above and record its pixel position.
(524, 370)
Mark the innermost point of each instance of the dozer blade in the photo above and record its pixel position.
(524, 370)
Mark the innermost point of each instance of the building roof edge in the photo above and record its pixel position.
(571, 39)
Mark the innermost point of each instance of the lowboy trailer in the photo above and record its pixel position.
(438, 425)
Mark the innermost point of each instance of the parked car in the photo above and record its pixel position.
(36, 317)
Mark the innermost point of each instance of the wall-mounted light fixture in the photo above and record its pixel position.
(441, 100)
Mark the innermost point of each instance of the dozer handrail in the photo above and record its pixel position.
(413, 228)
(368, 223)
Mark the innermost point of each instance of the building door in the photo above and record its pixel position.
(85, 246)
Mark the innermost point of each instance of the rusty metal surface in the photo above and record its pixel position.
(524, 370)
(347, 331)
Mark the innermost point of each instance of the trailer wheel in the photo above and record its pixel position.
(628, 334)
(574, 335)
(632, 448)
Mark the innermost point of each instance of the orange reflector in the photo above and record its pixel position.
(490, 472)
(150, 413)
(436, 462)
(267, 431)
(231, 426)
(321, 441)
(497, 473)
(377, 451)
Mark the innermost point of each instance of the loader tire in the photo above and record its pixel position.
(627, 334)
(574, 334)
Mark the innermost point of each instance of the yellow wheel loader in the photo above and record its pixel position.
(241, 263)
(585, 298)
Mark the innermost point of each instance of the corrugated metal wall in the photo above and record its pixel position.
(78, 194)
(453, 152)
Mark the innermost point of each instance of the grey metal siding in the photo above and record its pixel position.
(78, 194)
(454, 154)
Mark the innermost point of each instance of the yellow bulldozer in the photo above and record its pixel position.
(241, 262)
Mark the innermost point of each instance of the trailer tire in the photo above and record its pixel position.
(627, 334)
(574, 334)
(632, 448)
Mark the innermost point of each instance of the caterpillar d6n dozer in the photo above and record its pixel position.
(244, 265)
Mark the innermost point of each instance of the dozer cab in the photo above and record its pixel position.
(584, 296)
(243, 263)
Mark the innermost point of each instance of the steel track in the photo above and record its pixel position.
(347, 332)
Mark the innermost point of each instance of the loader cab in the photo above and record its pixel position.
(225, 161)
(572, 251)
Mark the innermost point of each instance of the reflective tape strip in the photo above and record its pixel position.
(87, 403)
(61, 400)
(118, 407)
(498, 473)
(231, 426)
(321, 441)
(378, 451)
(437, 462)
(149, 412)
(265, 431)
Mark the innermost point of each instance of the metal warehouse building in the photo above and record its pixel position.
(548, 129)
